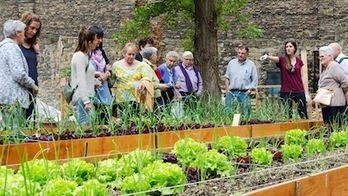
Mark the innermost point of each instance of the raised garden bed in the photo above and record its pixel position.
(68, 145)
(292, 177)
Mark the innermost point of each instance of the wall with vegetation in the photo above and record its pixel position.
(311, 23)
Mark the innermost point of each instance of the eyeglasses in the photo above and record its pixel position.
(188, 59)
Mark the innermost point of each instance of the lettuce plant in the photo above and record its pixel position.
(77, 170)
(187, 150)
(60, 187)
(295, 136)
(40, 170)
(135, 183)
(91, 187)
(262, 156)
(315, 145)
(14, 185)
(109, 171)
(234, 145)
(291, 151)
(135, 161)
(338, 139)
(5, 171)
(212, 163)
(163, 175)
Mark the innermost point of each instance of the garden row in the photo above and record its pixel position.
(97, 148)
(158, 172)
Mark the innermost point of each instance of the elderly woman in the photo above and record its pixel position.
(332, 78)
(127, 72)
(14, 78)
(154, 74)
(168, 75)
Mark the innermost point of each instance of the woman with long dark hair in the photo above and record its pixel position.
(30, 49)
(292, 88)
(83, 75)
(102, 66)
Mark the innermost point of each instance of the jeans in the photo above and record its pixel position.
(84, 116)
(235, 98)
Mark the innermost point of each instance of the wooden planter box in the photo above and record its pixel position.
(266, 130)
(65, 149)
(330, 182)
(111, 146)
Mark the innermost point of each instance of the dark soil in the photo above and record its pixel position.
(252, 177)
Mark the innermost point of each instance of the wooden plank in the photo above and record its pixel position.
(283, 189)
(313, 185)
(337, 181)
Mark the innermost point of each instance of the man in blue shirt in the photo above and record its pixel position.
(240, 79)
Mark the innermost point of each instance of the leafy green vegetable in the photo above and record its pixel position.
(338, 139)
(91, 187)
(40, 170)
(4, 170)
(212, 163)
(109, 171)
(295, 136)
(234, 145)
(261, 156)
(162, 175)
(135, 183)
(292, 151)
(77, 170)
(187, 150)
(135, 161)
(315, 145)
(15, 185)
(60, 187)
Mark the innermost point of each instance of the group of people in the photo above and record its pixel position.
(241, 79)
(131, 83)
(137, 79)
(18, 65)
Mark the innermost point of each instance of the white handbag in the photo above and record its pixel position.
(324, 96)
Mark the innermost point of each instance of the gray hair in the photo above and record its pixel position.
(336, 46)
(172, 54)
(187, 53)
(148, 52)
(328, 51)
(11, 27)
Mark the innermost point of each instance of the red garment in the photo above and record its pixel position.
(291, 82)
(158, 74)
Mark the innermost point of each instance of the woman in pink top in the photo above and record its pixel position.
(292, 88)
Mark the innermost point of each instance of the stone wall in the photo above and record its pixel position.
(311, 23)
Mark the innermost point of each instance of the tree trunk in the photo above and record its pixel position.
(205, 44)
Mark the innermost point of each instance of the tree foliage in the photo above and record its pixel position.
(175, 12)
(199, 20)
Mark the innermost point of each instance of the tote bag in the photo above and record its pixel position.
(104, 94)
(324, 96)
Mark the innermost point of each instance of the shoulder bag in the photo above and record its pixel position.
(69, 91)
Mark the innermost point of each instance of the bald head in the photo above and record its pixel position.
(336, 48)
